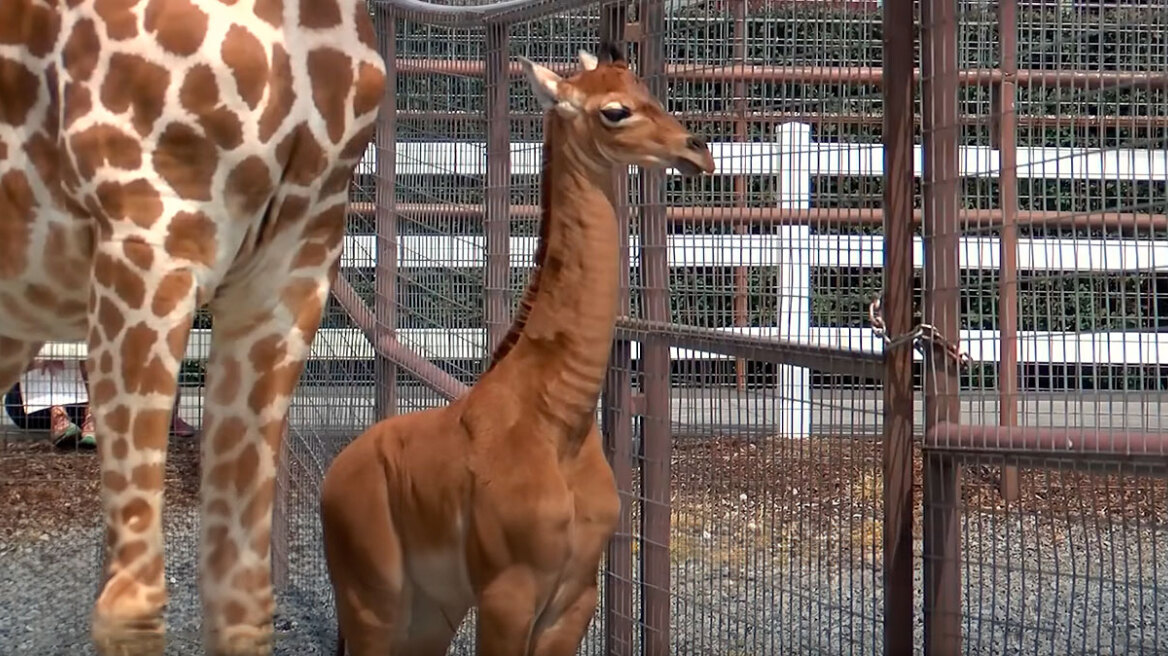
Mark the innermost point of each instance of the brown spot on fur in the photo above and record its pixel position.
(136, 347)
(45, 157)
(118, 421)
(21, 87)
(151, 572)
(176, 338)
(260, 505)
(272, 384)
(118, 17)
(300, 297)
(137, 201)
(129, 553)
(270, 11)
(138, 252)
(328, 226)
(251, 182)
(178, 25)
(104, 145)
(16, 206)
(247, 467)
(261, 542)
(245, 56)
(110, 318)
(268, 352)
(319, 14)
(81, 50)
(199, 95)
(114, 481)
(103, 391)
(150, 426)
(134, 83)
(121, 448)
(137, 515)
(364, 23)
(76, 103)
(227, 388)
(147, 477)
(223, 556)
(311, 255)
(332, 76)
(43, 294)
(369, 89)
(124, 281)
(303, 158)
(187, 161)
(337, 182)
(191, 236)
(106, 363)
(227, 435)
(234, 613)
(219, 508)
(280, 97)
(172, 292)
(33, 26)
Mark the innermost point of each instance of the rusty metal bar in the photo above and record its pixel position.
(1004, 131)
(898, 21)
(657, 445)
(875, 118)
(617, 406)
(940, 307)
(741, 277)
(1086, 444)
(868, 364)
(497, 222)
(826, 74)
(385, 277)
(815, 216)
(387, 345)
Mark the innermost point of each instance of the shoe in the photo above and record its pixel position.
(62, 431)
(88, 432)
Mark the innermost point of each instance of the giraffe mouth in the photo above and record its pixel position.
(694, 164)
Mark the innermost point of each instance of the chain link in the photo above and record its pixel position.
(924, 332)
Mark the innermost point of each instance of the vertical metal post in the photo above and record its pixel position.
(940, 307)
(617, 408)
(1005, 136)
(385, 285)
(657, 447)
(897, 304)
(741, 275)
(497, 222)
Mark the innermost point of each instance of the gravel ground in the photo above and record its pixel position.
(774, 550)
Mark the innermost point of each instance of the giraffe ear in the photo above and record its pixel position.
(544, 82)
(587, 60)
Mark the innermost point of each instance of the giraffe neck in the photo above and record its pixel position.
(560, 340)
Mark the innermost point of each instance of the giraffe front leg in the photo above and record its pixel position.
(15, 356)
(259, 344)
(141, 307)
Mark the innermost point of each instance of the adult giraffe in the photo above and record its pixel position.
(157, 156)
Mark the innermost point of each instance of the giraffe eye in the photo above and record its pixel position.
(614, 115)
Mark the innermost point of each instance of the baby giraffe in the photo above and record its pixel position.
(504, 499)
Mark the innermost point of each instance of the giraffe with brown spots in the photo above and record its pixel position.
(158, 156)
(504, 499)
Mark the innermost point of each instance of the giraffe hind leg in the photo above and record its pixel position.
(15, 356)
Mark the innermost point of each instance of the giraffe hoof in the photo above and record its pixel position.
(242, 642)
(115, 637)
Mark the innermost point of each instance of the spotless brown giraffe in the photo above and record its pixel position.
(504, 499)
(157, 156)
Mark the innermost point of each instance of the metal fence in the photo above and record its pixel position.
(973, 464)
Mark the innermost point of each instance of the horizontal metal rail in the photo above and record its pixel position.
(815, 216)
(1084, 446)
(465, 16)
(822, 358)
(873, 75)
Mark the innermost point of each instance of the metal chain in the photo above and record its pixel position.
(924, 332)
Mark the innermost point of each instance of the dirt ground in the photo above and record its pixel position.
(42, 487)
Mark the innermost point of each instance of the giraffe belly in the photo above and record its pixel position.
(44, 276)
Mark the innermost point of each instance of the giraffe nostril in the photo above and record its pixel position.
(695, 143)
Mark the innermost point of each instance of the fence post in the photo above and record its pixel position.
(617, 401)
(940, 307)
(1004, 134)
(794, 278)
(497, 221)
(385, 285)
(898, 305)
(657, 447)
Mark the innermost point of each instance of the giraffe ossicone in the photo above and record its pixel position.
(157, 156)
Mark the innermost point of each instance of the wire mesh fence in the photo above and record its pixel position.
(971, 465)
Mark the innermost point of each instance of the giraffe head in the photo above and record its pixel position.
(611, 118)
